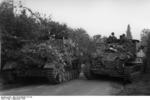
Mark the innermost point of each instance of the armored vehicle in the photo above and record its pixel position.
(114, 59)
(55, 59)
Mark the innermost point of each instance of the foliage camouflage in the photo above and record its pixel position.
(116, 59)
(50, 51)
(24, 29)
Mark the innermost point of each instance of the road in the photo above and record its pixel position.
(80, 86)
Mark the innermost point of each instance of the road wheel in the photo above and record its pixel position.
(54, 78)
(55, 75)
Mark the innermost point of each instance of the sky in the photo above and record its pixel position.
(97, 16)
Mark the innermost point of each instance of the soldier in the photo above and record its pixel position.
(123, 38)
(112, 38)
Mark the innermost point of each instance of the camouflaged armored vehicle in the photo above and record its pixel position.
(57, 60)
(114, 59)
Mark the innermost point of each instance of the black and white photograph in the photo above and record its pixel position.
(74, 48)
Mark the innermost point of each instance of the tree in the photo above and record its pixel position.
(20, 30)
(128, 32)
(145, 41)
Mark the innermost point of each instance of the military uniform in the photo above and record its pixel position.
(112, 39)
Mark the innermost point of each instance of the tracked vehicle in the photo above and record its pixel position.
(57, 60)
(46, 52)
(114, 59)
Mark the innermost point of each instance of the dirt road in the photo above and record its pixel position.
(80, 86)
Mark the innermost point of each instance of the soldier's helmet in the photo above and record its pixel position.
(112, 33)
